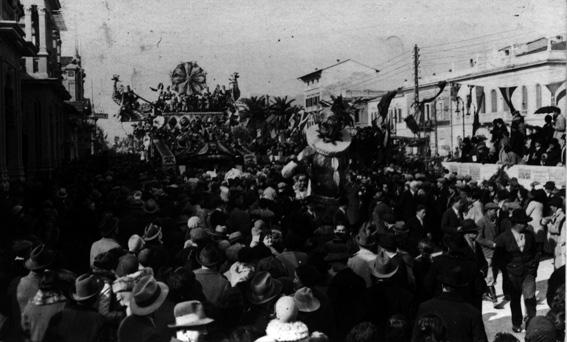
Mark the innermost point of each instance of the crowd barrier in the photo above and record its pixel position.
(526, 174)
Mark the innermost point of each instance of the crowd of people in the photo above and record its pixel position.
(521, 144)
(117, 251)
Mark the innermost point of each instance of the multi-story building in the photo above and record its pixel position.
(537, 69)
(78, 135)
(44, 108)
(13, 46)
(344, 78)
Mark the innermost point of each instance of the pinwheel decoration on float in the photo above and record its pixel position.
(188, 78)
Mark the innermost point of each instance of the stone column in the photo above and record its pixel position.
(28, 30)
(42, 54)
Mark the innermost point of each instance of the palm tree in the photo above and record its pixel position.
(256, 111)
(283, 110)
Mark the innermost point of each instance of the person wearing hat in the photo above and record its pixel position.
(191, 322)
(360, 261)
(452, 218)
(263, 291)
(108, 228)
(314, 313)
(549, 188)
(518, 250)
(556, 230)
(387, 295)
(407, 204)
(82, 321)
(345, 291)
(214, 284)
(463, 322)
(147, 297)
(457, 254)
(487, 232)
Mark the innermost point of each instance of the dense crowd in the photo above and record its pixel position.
(520, 144)
(116, 251)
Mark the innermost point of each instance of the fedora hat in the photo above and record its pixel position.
(519, 216)
(210, 256)
(305, 300)
(147, 296)
(190, 314)
(40, 258)
(263, 288)
(152, 232)
(150, 206)
(468, 226)
(454, 277)
(383, 267)
(87, 286)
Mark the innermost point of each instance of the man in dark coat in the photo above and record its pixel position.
(345, 292)
(79, 322)
(517, 249)
(147, 297)
(456, 255)
(452, 217)
(418, 229)
(408, 201)
(463, 322)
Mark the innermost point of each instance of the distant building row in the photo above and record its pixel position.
(538, 70)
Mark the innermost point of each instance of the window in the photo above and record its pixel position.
(524, 98)
(482, 103)
(538, 95)
(493, 101)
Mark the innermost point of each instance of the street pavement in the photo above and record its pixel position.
(499, 320)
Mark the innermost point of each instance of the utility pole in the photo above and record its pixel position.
(416, 82)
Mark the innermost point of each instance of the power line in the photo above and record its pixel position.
(467, 40)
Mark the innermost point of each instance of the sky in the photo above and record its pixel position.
(272, 42)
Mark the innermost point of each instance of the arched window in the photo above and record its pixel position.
(538, 95)
(493, 101)
(524, 98)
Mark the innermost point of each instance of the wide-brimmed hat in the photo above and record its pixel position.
(263, 288)
(454, 277)
(468, 226)
(147, 296)
(383, 267)
(190, 314)
(549, 185)
(152, 232)
(87, 286)
(210, 256)
(40, 258)
(305, 300)
(150, 206)
(555, 201)
(519, 216)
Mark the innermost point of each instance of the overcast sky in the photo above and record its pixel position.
(272, 42)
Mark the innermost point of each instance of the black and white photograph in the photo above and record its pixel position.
(283, 170)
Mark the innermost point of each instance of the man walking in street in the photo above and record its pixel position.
(487, 233)
(517, 248)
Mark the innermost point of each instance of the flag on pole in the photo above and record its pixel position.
(479, 92)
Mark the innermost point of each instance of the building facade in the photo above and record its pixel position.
(344, 78)
(13, 46)
(537, 70)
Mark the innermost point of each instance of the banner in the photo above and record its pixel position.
(411, 124)
(455, 91)
(526, 174)
(479, 92)
(507, 95)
